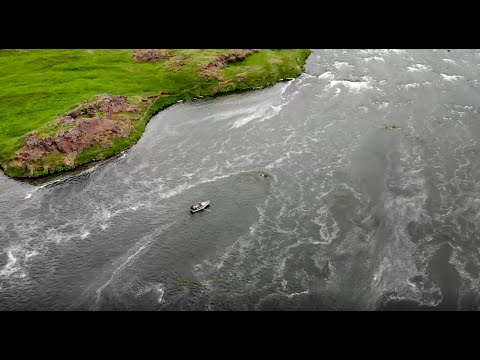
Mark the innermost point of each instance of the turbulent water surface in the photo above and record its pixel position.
(356, 213)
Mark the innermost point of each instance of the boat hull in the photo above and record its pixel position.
(204, 206)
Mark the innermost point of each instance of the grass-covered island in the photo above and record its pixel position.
(63, 108)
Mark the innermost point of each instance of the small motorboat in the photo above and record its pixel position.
(199, 206)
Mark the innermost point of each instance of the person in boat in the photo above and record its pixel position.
(196, 206)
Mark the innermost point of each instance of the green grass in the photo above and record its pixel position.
(39, 86)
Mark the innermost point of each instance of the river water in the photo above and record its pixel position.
(354, 214)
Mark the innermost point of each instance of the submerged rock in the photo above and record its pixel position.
(391, 127)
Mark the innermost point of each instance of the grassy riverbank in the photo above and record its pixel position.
(40, 86)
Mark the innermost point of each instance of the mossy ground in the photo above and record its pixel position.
(39, 86)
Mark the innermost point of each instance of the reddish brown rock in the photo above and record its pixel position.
(100, 126)
(67, 120)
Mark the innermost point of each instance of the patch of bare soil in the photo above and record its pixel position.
(212, 68)
(180, 60)
(151, 55)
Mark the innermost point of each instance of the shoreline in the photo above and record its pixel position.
(197, 98)
(117, 145)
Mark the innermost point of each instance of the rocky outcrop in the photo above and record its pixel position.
(107, 104)
(88, 124)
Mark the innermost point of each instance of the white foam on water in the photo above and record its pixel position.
(106, 214)
(306, 292)
(206, 158)
(89, 170)
(160, 292)
(459, 264)
(327, 75)
(383, 105)
(377, 58)
(30, 254)
(341, 64)
(123, 262)
(84, 234)
(450, 61)
(354, 86)
(15, 267)
(237, 248)
(366, 52)
(157, 288)
(328, 226)
(377, 276)
(355, 194)
(175, 191)
(413, 285)
(282, 159)
(10, 267)
(242, 157)
(58, 237)
(224, 115)
(410, 86)
(264, 112)
(275, 110)
(451, 77)
(418, 67)
(285, 87)
(312, 241)
(185, 186)
(304, 85)
(287, 139)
